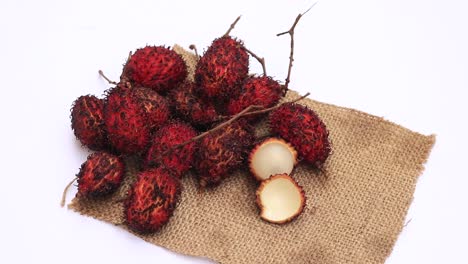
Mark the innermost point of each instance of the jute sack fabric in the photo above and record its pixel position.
(354, 213)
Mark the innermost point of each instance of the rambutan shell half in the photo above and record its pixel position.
(272, 156)
(280, 199)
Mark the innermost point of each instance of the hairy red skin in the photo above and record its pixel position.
(87, 122)
(100, 175)
(263, 91)
(156, 67)
(126, 122)
(222, 69)
(221, 152)
(302, 127)
(151, 200)
(156, 107)
(179, 160)
(191, 108)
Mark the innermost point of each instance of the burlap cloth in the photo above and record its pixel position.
(354, 214)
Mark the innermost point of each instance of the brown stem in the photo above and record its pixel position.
(266, 110)
(105, 77)
(194, 48)
(291, 54)
(64, 194)
(261, 60)
(232, 26)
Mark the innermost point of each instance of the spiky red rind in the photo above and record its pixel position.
(156, 107)
(222, 69)
(263, 143)
(264, 183)
(151, 200)
(156, 67)
(87, 122)
(303, 128)
(100, 175)
(179, 160)
(126, 122)
(221, 152)
(192, 108)
(263, 91)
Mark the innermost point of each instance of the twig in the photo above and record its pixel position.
(266, 110)
(64, 194)
(232, 26)
(218, 127)
(261, 60)
(291, 54)
(107, 79)
(194, 48)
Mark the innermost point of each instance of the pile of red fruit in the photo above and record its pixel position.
(173, 125)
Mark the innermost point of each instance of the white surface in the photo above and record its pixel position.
(404, 60)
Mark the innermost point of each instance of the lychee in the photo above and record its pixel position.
(221, 152)
(151, 200)
(156, 107)
(87, 121)
(156, 67)
(222, 69)
(303, 128)
(177, 160)
(100, 175)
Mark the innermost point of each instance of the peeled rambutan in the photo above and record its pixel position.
(221, 152)
(222, 69)
(302, 127)
(156, 67)
(192, 108)
(126, 122)
(101, 174)
(87, 121)
(151, 200)
(156, 107)
(272, 156)
(178, 160)
(262, 91)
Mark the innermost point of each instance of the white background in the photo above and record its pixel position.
(406, 61)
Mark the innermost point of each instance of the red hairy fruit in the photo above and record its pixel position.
(263, 91)
(151, 200)
(155, 106)
(156, 67)
(222, 69)
(221, 152)
(87, 122)
(101, 174)
(302, 127)
(179, 160)
(126, 122)
(191, 108)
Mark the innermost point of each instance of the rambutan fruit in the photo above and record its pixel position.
(101, 174)
(126, 122)
(192, 108)
(151, 200)
(221, 152)
(262, 91)
(272, 156)
(156, 67)
(156, 107)
(178, 160)
(222, 69)
(302, 127)
(280, 199)
(87, 122)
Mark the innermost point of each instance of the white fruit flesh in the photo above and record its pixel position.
(272, 157)
(280, 199)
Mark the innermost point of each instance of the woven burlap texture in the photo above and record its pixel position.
(354, 213)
